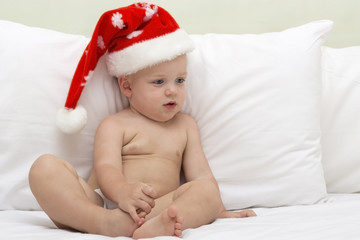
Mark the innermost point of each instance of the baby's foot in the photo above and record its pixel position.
(116, 223)
(166, 224)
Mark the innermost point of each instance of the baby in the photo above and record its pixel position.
(135, 188)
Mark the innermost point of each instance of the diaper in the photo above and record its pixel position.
(108, 204)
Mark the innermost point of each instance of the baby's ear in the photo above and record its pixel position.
(125, 86)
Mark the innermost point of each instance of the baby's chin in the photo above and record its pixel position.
(163, 118)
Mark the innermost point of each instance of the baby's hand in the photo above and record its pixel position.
(137, 199)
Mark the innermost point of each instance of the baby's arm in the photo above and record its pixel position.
(196, 167)
(195, 164)
(137, 198)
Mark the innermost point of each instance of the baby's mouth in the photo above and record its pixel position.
(170, 105)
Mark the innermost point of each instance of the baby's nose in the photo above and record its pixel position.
(170, 90)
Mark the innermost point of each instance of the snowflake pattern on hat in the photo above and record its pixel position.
(134, 34)
(117, 21)
(150, 13)
(100, 42)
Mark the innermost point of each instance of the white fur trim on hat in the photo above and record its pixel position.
(149, 53)
(71, 120)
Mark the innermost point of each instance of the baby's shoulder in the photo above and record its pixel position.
(115, 119)
(184, 116)
(185, 119)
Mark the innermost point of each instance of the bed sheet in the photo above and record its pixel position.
(337, 218)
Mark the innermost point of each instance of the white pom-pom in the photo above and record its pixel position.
(71, 120)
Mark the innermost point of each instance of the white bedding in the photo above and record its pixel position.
(331, 220)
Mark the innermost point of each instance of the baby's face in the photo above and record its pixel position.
(158, 92)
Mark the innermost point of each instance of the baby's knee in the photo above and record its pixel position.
(45, 164)
(44, 161)
(209, 191)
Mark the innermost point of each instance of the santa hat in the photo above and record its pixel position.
(133, 37)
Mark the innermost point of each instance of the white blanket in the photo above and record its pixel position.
(336, 219)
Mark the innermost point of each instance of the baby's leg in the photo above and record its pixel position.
(71, 203)
(196, 203)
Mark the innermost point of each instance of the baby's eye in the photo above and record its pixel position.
(180, 80)
(158, 82)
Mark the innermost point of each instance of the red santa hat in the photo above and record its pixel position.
(133, 37)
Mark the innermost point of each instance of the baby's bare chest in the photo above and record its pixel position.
(157, 142)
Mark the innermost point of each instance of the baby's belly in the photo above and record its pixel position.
(161, 174)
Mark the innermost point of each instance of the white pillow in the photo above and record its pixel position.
(36, 69)
(256, 99)
(341, 119)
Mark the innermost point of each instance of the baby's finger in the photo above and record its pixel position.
(144, 206)
(135, 216)
(141, 213)
(149, 191)
(148, 200)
